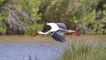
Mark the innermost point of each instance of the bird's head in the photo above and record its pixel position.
(47, 23)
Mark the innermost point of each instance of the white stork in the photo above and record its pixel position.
(57, 31)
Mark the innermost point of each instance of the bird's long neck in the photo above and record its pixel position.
(44, 33)
(40, 32)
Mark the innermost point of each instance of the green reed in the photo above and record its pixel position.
(85, 51)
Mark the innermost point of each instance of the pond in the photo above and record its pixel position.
(19, 47)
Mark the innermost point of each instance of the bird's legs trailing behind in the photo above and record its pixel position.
(72, 32)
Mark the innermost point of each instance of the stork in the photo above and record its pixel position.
(57, 31)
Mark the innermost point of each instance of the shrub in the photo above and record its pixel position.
(1, 2)
(3, 26)
(34, 28)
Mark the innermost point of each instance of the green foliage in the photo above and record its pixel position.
(34, 28)
(85, 20)
(3, 28)
(34, 8)
(104, 5)
(85, 7)
(80, 12)
(85, 51)
(31, 7)
(89, 25)
(1, 16)
(1, 2)
(56, 10)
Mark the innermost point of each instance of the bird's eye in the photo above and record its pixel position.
(52, 33)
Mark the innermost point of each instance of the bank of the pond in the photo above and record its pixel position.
(46, 38)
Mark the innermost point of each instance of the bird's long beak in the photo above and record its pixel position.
(34, 35)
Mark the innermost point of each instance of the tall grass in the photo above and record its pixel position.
(84, 51)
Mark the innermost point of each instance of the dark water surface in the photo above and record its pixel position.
(38, 48)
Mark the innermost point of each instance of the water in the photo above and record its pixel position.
(22, 51)
(38, 48)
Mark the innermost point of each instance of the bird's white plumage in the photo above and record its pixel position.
(54, 26)
(57, 31)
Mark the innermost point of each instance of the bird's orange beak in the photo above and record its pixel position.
(34, 35)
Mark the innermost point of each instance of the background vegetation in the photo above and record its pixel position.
(83, 50)
(29, 16)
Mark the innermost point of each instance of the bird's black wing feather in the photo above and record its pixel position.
(62, 26)
(59, 36)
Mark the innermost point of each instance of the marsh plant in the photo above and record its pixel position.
(85, 51)
(30, 58)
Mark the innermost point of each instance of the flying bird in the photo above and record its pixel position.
(57, 31)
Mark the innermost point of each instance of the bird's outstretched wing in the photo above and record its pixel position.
(59, 35)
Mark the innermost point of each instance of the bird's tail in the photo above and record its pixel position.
(72, 32)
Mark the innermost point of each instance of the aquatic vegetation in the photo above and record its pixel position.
(82, 51)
